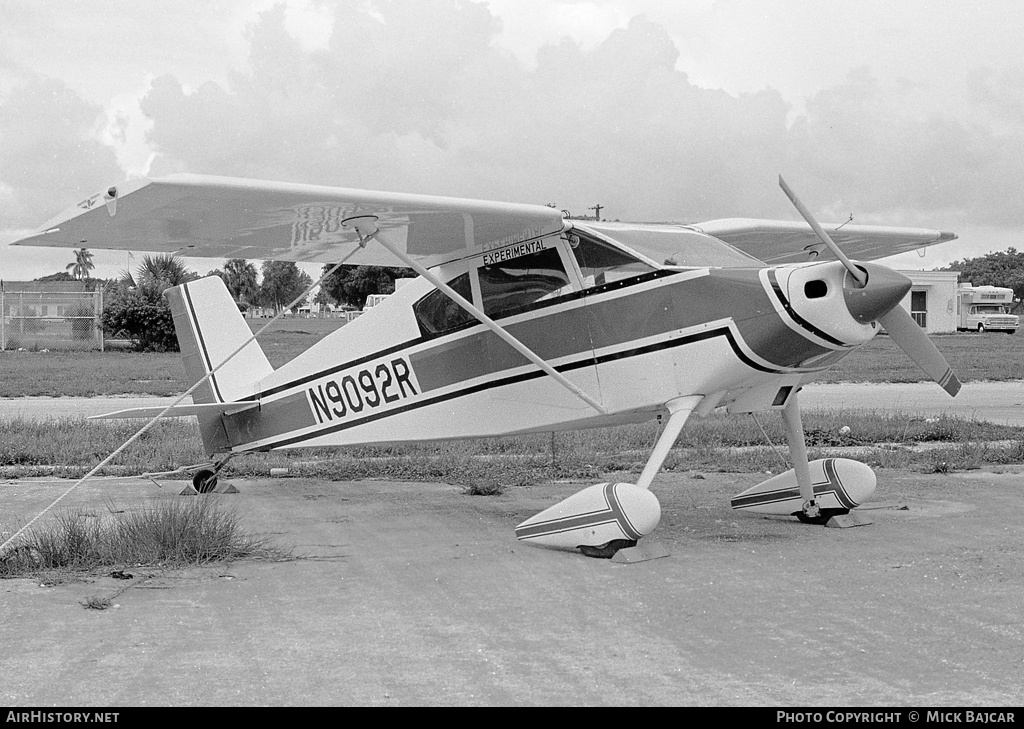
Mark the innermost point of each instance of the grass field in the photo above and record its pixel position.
(69, 448)
(973, 357)
(85, 374)
(118, 372)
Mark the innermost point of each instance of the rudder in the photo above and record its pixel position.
(209, 328)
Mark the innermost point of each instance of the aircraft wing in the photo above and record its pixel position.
(777, 241)
(223, 217)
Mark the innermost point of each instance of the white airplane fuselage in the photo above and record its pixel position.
(742, 337)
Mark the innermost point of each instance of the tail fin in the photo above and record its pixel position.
(209, 328)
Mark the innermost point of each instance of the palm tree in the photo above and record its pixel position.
(240, 278)
(158, 273)
(82, 266)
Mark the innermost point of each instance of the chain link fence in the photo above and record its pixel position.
(51, 320)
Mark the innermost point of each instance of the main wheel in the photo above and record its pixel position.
(981, 329)
(204, 481)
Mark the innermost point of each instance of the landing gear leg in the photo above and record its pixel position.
(810, 513)
(679, 411)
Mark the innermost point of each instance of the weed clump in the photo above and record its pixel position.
(95, 602)
(170, 532)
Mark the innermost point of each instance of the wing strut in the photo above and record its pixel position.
(366, 227)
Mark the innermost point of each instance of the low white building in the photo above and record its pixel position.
(932, 300)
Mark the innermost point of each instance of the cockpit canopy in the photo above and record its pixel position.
(675, 245)
(526, 276)
(582, 261)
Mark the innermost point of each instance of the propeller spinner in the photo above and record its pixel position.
(873, 294)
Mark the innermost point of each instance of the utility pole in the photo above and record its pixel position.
(597, 211)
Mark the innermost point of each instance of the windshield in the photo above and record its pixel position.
(602, 263)
(676, 245)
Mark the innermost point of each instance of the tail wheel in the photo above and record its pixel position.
(204, 481)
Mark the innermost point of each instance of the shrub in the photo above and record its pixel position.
(171, 531)
(143, 314)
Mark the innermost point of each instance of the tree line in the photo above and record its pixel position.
(134, 304)
(1003, 268)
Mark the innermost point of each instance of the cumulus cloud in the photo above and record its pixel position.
(869, 151)
(421, 97)
(49, 148)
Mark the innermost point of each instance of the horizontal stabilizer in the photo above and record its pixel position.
(179, 411)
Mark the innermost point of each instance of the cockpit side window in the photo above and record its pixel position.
(436, 313)
(520, 283)
(601, 263)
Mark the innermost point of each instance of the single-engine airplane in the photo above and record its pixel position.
(522, 321)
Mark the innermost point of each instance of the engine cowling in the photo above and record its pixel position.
(825, 296)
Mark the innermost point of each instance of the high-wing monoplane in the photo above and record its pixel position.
(522, 321)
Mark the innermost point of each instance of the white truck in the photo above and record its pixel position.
(985, 309)
(373, 299)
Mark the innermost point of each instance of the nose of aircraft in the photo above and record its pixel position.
(883, 291)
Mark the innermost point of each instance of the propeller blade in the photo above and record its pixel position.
(858, 275)
(913, 340)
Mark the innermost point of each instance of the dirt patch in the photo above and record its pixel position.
(411, 594)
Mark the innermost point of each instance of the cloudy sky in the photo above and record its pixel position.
(901, 113)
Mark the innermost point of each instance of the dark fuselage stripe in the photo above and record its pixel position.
(607, 325)
(284, 415)
(605, 322)
(546, 304)
(799, 320)
(513, 379)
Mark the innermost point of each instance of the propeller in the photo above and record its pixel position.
(913, 340)
(880, 302)
(859, 276)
